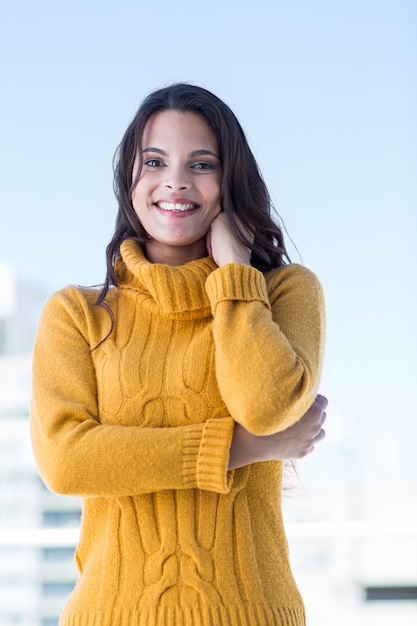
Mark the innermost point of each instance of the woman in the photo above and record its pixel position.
(169, 399)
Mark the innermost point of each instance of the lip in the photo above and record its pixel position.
(176, 206)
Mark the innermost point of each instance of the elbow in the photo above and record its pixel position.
(59, 485)
(279, 412)
(57, 479)
(55, 468)
(262, 428)
(258, 427)
(59, 462)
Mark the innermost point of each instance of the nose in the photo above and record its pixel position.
(177, 178)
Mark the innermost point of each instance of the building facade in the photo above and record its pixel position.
(37, 528)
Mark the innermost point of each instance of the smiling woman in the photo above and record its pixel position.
(174, 423)
(177, 193)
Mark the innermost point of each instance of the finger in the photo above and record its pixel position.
(309, 450)
(322, 401)
(320, 436)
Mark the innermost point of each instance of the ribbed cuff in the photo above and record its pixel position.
(236, 282)
(206, 455)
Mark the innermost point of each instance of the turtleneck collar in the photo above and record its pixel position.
(173, 291)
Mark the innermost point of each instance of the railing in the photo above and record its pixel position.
(68, 537)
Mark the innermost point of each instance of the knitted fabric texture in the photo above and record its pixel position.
(141, 428)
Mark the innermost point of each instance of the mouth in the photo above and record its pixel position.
(177, 207)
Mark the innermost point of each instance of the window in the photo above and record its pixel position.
(57, 554)
(50, 621)
(53, 590)
(53, 519)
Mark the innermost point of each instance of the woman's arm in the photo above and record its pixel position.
(77, 455)
(268, 334)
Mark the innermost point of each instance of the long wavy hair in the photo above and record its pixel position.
(243, 191)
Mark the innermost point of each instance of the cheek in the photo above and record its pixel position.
(213, 191)
(139, 194)
(135, 201)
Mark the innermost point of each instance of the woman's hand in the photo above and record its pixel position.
(293, 443)
(223, 244)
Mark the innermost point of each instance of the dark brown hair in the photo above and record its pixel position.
(243, 191)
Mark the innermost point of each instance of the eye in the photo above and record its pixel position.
(202, 166)
(153, 163)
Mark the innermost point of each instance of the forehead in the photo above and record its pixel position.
(177, 128)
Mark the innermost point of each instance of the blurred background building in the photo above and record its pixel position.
(37, 571)
(353, 542)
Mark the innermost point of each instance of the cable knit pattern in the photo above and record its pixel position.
(141, 426)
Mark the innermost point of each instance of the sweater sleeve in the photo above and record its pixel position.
(269, 337)
(77, 455)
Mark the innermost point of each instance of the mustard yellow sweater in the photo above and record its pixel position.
(141, 428)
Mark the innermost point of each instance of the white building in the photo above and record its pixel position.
(37, 571)
(20, 304)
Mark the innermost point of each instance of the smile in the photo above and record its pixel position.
(177, 206)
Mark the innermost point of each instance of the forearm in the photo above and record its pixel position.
(268, 356)
(90, 459)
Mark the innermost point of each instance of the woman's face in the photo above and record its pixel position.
(178, 192)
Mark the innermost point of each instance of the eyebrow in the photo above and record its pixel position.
(191, 155)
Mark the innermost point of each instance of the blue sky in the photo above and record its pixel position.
(326, 92)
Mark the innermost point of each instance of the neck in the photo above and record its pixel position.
(175, 255)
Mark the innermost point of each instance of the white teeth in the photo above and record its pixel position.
(176, 206)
